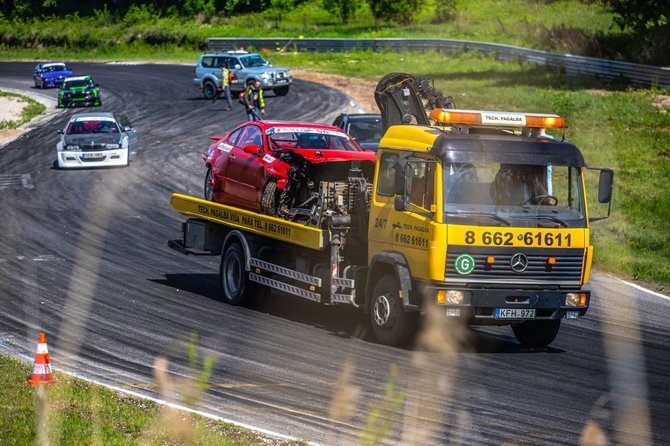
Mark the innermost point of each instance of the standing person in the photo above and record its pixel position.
(254, 101)
(226, 75)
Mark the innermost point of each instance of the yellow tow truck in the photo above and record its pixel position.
(478, 212)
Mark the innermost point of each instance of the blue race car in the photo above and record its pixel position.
(50, 74)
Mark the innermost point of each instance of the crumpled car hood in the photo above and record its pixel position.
(330, 156)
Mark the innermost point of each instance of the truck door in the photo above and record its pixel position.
(382, 214)
(412, 229)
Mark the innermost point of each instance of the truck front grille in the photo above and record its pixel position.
(566, 271)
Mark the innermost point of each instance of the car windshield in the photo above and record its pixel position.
(253, 61)
(530, 195)
(316, 139)
(366, 130)
(85, 127)
(53, 68)
(76, 83)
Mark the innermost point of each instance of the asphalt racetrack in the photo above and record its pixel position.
(84, 258)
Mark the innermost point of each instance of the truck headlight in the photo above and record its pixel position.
(575, 300)
(452, 297)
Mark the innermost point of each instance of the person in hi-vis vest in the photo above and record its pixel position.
(226, 76)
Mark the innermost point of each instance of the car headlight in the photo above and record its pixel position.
(113, 146)
(71, 147)
(266, 75)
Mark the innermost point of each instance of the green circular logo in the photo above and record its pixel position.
(464, 264)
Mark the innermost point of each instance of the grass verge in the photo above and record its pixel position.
(30, 110)
(72, 411)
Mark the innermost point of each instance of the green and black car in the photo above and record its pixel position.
(79, 90)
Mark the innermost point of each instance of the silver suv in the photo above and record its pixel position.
(247, 68)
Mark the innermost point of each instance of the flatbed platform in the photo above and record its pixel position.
(253, 222)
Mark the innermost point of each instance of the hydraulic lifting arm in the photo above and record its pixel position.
(406, 99)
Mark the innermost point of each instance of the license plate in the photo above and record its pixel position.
(515, 313)
(92, 156)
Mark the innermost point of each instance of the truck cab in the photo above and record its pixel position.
(488, 217)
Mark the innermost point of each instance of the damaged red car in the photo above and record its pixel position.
(276, 168)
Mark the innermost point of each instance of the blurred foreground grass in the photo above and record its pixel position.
(75, 412)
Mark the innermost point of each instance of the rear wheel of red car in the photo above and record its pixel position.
(269, 199)
(209, 188)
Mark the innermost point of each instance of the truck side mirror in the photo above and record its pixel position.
(605, 185)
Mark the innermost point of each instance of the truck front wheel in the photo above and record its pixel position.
(237, 289)
(391, 324)
(536, 333)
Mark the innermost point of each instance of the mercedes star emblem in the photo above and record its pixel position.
(519, 262)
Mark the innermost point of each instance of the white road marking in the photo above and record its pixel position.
(20, 181)
(186, 409)
(653, 293)
(38, 258)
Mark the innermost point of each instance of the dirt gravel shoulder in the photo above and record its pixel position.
(361, 91)
(12, 107)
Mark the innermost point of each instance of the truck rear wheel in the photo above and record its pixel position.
(391, 324)
(536, 333)
(237, 289)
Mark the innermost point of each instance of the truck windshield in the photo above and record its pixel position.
(513, 194)
(253, 61)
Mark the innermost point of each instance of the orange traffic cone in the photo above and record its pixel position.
(42, 373)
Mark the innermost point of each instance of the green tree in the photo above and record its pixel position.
(344, 10)
(649, 20)
(399, 11)
(195, 7)
(278, 8)
(445, 11)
